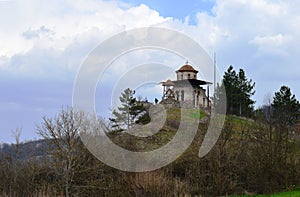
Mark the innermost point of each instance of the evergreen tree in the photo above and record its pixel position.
(230, 80)
(130, 112)
(239, 91)
(286, 108)
(245, 93)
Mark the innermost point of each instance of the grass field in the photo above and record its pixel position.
(294, 193)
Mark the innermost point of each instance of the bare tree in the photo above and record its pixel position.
(68, 154)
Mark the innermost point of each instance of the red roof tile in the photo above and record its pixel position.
(187, 67)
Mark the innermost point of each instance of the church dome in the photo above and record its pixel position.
(188, 68)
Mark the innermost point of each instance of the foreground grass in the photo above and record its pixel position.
(294, 193)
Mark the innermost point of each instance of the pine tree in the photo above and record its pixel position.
(239, 91)
(286, 107)
(130, 112)
(245, 92)
(230, 80)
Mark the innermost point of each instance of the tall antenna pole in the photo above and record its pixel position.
(215, 65)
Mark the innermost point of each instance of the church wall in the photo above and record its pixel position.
(192, 96)
(186, 75)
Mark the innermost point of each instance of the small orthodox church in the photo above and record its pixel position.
(187, 91)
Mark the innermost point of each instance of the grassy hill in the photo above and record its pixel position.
(250, 157)
(247, 158)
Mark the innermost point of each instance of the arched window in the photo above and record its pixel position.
(195, 76)
(177, 95)
(181, 76)
(189, 76)
(182, 95)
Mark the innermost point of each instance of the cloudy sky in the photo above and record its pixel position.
(43, 44)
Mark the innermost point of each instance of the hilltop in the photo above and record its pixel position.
(249, 157)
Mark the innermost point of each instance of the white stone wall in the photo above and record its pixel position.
(186, 75)
(194, 97)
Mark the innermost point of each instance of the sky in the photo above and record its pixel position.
(44, 43)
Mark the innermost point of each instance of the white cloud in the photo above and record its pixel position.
(276, 45)
(53, 37)
(271, 41)
(64, 32)
(30, 33)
